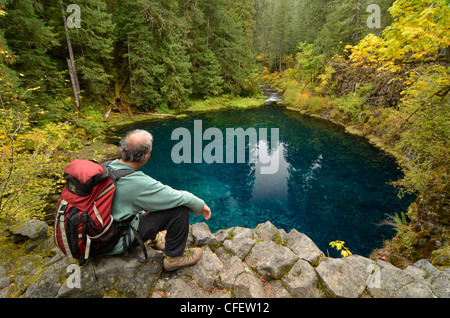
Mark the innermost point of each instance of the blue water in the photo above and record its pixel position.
(330, 185)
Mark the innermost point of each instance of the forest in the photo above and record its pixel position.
(378, 67)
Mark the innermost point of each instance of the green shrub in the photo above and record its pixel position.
(32, 160)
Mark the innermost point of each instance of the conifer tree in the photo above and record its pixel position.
(346, 24)
(227, 38)
(281, 20)
(153, 33)
(262, 40)
(29, 39)
(206, 74)
(10, 89)
(93, 46)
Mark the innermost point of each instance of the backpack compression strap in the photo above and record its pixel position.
(61, 209)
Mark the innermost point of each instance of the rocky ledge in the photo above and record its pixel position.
(264, 262)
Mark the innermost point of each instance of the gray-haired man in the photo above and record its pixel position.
(166, 209)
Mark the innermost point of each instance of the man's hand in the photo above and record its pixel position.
(206, 212)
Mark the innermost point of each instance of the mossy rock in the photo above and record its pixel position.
(441, 258)
(422, 245)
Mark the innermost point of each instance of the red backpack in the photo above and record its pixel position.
(84, 225)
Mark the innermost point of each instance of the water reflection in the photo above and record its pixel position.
(270, 186)
(316, 165)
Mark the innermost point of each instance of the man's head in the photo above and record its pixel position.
(136, 147)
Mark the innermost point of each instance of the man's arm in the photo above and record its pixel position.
(156, 196)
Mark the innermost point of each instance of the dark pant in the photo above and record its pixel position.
(175, 221)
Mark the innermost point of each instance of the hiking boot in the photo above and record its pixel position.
(190, 257)
(159, 243)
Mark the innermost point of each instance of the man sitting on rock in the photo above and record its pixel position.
(166, 217)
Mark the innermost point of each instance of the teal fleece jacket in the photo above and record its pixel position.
(139, 192)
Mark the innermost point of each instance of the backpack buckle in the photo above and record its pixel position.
(84, 217)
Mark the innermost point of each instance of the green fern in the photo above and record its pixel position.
(400, 220)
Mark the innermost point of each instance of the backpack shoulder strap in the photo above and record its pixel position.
(120, 174)
(116, 175)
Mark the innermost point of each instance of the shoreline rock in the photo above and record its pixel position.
(264, 262)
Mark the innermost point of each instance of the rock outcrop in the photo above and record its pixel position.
(237, 262)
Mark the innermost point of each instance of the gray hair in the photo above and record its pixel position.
(135, 149)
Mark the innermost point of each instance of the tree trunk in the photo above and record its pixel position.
(207, 32)
(129, 65)
(74, 81)
(149, 18)
(281, 49)
(358, 12)
(71, 62)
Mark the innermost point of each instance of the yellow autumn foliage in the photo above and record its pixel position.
(32, 160)
(413, 49)
(340, 246)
